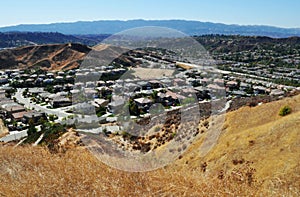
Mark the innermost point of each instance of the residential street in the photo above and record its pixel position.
(27, 103)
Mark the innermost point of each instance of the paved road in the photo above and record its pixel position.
(59, 112)
(26, 101)
(16, 135)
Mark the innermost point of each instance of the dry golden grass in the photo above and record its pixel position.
(268, 142)
(183, 65)
(3, 129)
(34, 171)
(257, 135)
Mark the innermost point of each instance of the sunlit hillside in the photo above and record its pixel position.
(257, 155)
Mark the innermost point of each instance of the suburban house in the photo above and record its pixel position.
(2, 94)
(244, 86)
(3, 80)
(132, 87)
(169, 98)
(36, 91)
(58, 88)
(155, 84)
(239, 93)
(232, 85)
(101, 102)
(84, 109)
(259, 90)
(145, 85)
(34, 116)
(277, 92)
(91, 93)
(202, 93)
(215, 87)
(116, 104)
(11, 108)
(143, 103)
(18, 115)
(179, 82)
(189, 92)
(60, 101)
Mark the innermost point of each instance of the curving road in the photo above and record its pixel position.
(26, 101)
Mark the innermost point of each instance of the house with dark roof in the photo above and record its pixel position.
(169, 98)
(60, 101)
(34, 116)
(143, 103)
(155, 84)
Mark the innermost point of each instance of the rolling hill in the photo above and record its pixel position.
(56, 57)
(47, 57)
(226, 44)
(17, 39)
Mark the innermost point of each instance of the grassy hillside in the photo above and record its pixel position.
(256, 138)
(257, 154)
(3, 129)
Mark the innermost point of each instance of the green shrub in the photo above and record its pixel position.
(33, 137)
(285, 110)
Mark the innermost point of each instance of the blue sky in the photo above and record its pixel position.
(282, 13)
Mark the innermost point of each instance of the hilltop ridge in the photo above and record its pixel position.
(47, 57)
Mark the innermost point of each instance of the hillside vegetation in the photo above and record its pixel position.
(257, 155)
(18, 39)
(235, 43)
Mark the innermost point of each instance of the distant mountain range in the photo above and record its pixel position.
(188, 27)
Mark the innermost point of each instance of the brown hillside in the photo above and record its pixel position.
(257, 155)
(55, 57)
(48, 57)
